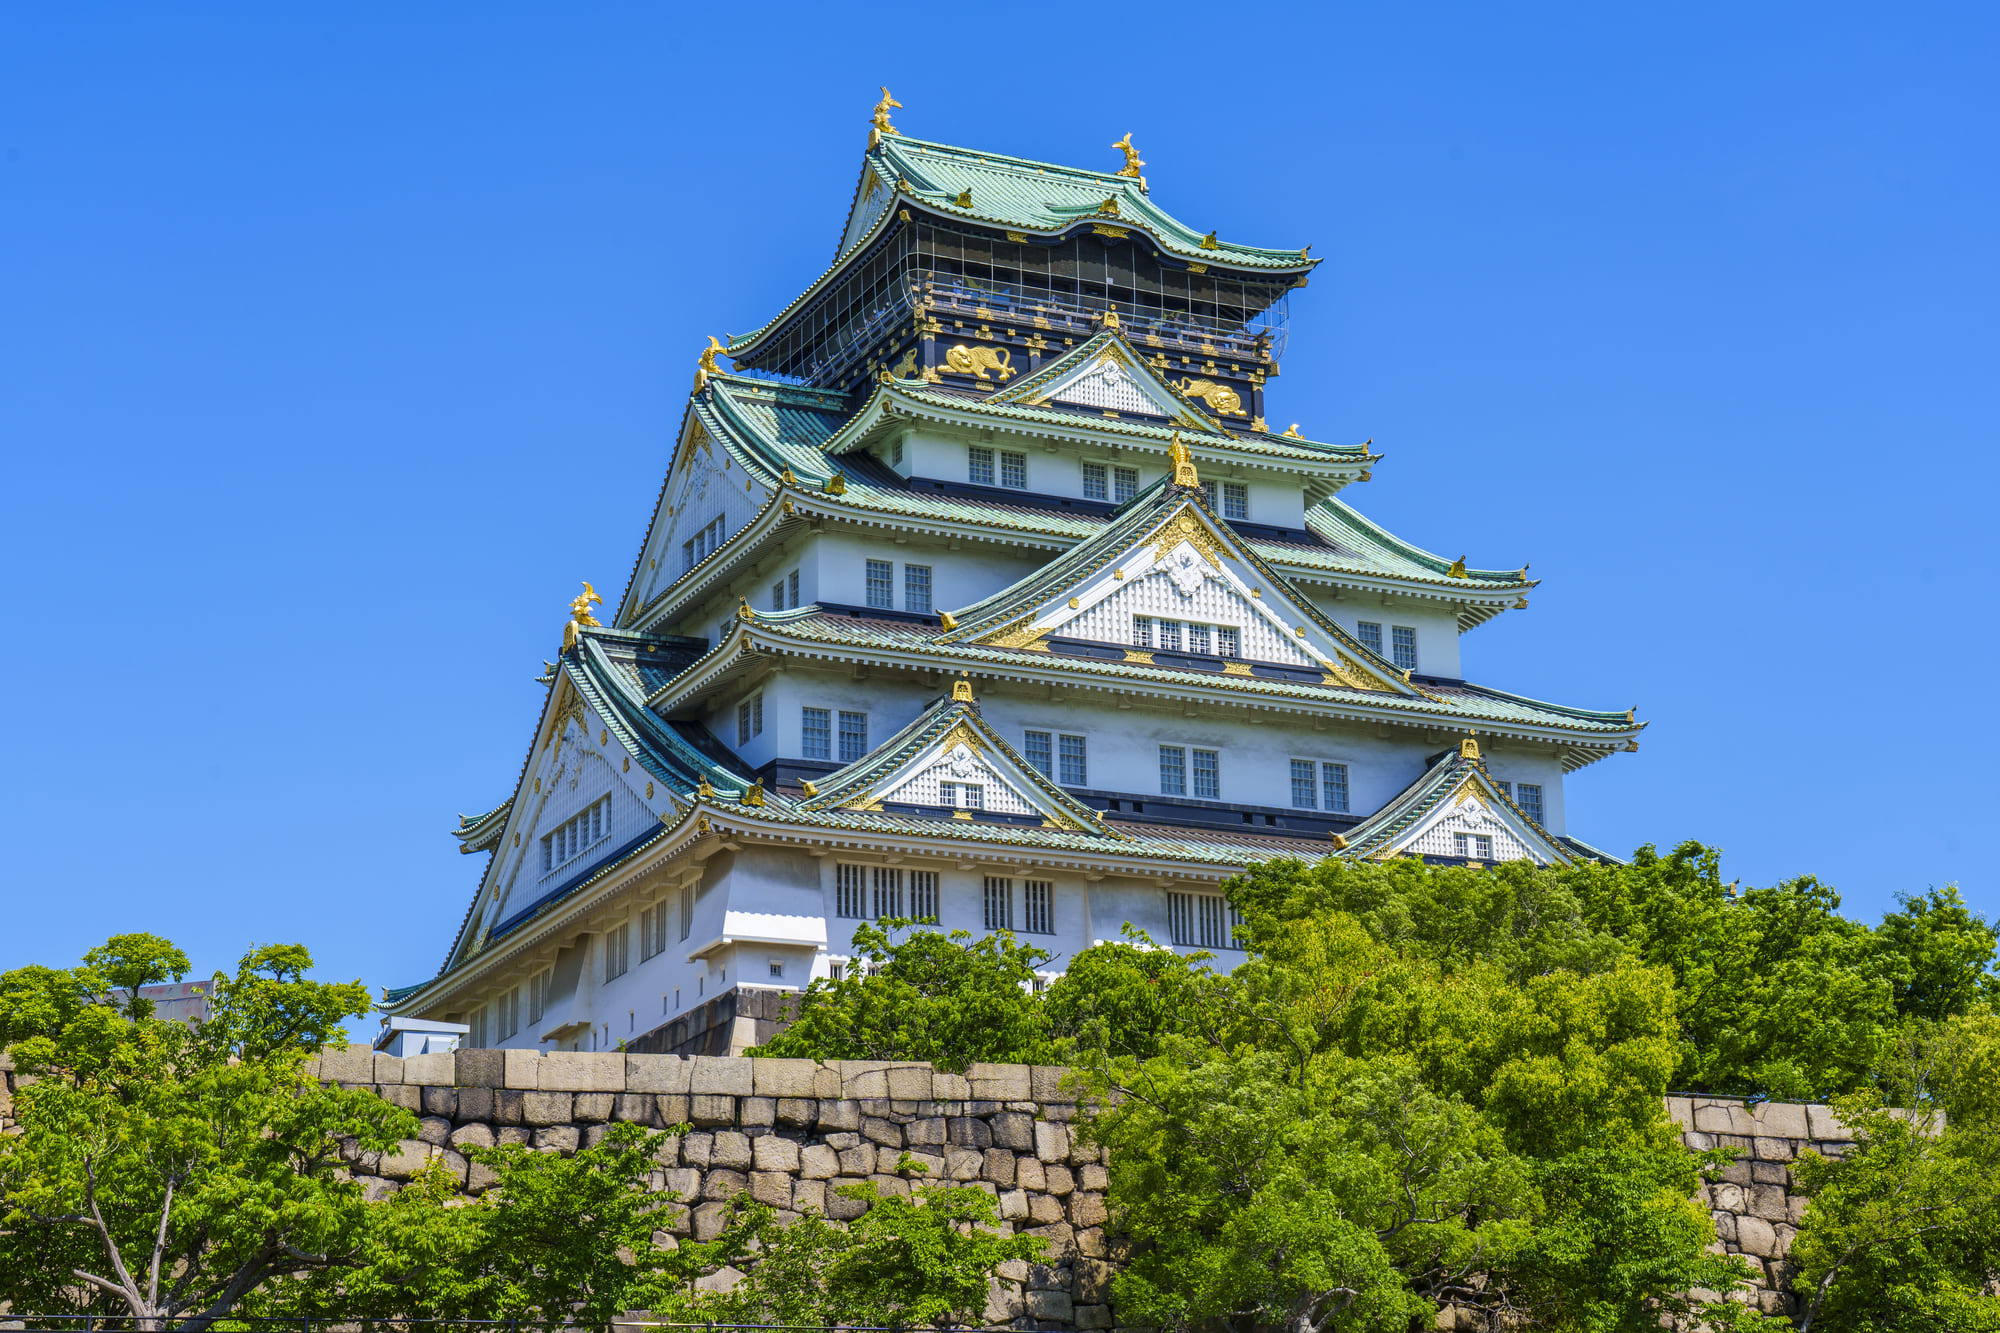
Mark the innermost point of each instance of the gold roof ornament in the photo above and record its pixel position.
(1109, 320)
(1209, 242)
(1339, 842)
(1294, 432)
(704, 791)
(964, 199)
(1183, 461)
(836, 484)
(808, 788)
(878, 123)
(787, 477)
(961, 691)
(706, 365)
(1132, 162)
(745, 611)
(947, 621)
(755, 795)
(579, 615)
(1468, 748)
(1457, 570)
(1109, 208)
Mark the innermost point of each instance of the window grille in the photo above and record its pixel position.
(816, 733)
(702, 545)
(979, 466)
(888, 891)
(853, 736)
(1473, 846)
(1207, 775)
(1370, 635)
(1040, 755)
(896, 452)
(1094, 485)
(750, 718)
(509, 1014)
(792, 586)
(1528, 795)
(1235, 500)
(1075, 768)
(778, 595)
(1198, 639)
(1170, 635)
(538, 996)
(648, 917)
(924, 895)
(1038, 907)
(850, 891)
(962, 795)
(1014, 470)
(1305, 793)
(882, 585)
(1142, 631)
(999, 903)
(777, 968)
(688, 892)
(617, 952)
(1333, 780)
(1173, 770)
(477, 1037)
(1124, 484)
(1202, 921)
(568, 840)
(1227, 641)
(1404, 641)
(917, 588)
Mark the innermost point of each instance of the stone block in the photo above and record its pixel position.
(375, 1189)
(929, 1132)
(406, 1095)
(722, 1075)
(434, 1129)
(472, 1136)
(1721, 1117)
(593, 1108)
(997, 1165)
(1013, 1205)
(842, 1141)
(347, 1064)
(783, 1078)
(697, 1150)
(1044, 1209)
(1031, 1173)
(862, 1078)
(1013, 1129)
(658, 1073)
(546, 1108)
(635, 1108)
(1047, 1277)
(1087, 1210)
(479, 1178)
(1051, 1141)
(684, 1182)
(841, 1208)
(910, 1083)
(712, 1108)
(950, 1087)
(557, 1138)
(438, 1069)
(1727, 1196)
(1772, 1150)
(1092, 1281)
(731, 1150)
(756, 1112)
(1736, 1173)
(1826, 1125)
(968, 1132)
(1093, 1177)
(584, 1071)
(1091, 1244)
(839, 1114)
(709, 1220)
(1770, 1173)
(454, 1163)
(961, 1163)
(885, 1185)
(479, 1069)
(1045, 1084)
(771, 1187)
(404, 1161)
(858, 1160)
(474, 1104)
(507, 1134)
(1795, 1209)
(1062, 1183)
(722, 1183)
(1004, 1303)
(809, 1196)
(1000, 1083)
(1725, 1226)
(440, 1101)
(1786, 1234)
(1756, 1236)
(1780, 1120)
(818, 1162)
(673, 1109)
(524, 1069)
(595, 1134)
(1092, 1316)
(885, 1132)
(1768, 1202)
(1680, 1110)
(797, 1112)
(1058, 1242)
(929, 1165)
(388, 1068)
(771, 1153)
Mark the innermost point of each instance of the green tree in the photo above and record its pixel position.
(1947, 955)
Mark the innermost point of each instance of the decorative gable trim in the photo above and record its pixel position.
(1109, 374)
(1455, 800)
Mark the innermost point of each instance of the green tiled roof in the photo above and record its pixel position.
(1380, 831)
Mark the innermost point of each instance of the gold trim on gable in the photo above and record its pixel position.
(1185, 527)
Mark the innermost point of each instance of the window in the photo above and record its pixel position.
(888, 891)
(1199, 639)
(1207, 775)
(750, 718)
(778, 595)
(1075, 769)
(853, 736)
(538, 996)
(1235, 500)
(1170, 635)
(923, 895)
(1038, 907)
(477, 1037)
(507, 1014)
(1370, 635)
(792, 587)
(1124, 484)
(778, 968)
(1404, 641)
(617, 952)
(1203, 921)
(999, 903)
(979, 466)
(1528, 795)
(1305, 785)
(1014, 471)
(816, 733)
(1175, 636)
(962, 795)
(652, 935)
(563, 844)
(850, 893)
(896, 452)
(702, 545)
(1094, 484)
(1227, 642)
(882, 585)
(1333, 782)
(1142, 631)
(1041, 756)
(688, 892)
(917, 588)
(1506, 788)
(1472, 846)
(1173, 770)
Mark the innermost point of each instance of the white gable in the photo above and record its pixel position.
(1186, 589)
(954, 760)
(1458, 823)
(1108, 383)
(709, 486)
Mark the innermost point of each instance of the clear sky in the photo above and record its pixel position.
(337, 343)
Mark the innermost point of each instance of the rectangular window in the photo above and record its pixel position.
(647, 917)
(1039, 752)
(510, 1013)
(999, 903)
(1235, 500)
(853, 736)
(1305, 789)
(1473, 846)
(574, 835)
(1142, 631)
(1075, 768)
(477, 1037)
(687, 555)
(1506, 788)
(1528, 795)
(1095, 486)
(888, 891)
(617, 952)
(1198, 639)
(971, 796)
(923, 895)
(1170, 635)
(1038, 907)
(777, 968)
(882, 585)
(1228, 643)
(850, 891)
(917, 588)
(792, 588)
(1124, 484)
(1333, 781)
(778, 595)
(1207, 775)
(979, 466)
(750, 719)
(1202, 921)
(1014, 471)
(816, 733)
(687, 910)
(1370, 635)
(896, 452)
(1404, 641)
(1173, 770)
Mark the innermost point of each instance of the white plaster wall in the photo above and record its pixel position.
(1513, 762)
(1436, 624)
(958, 578)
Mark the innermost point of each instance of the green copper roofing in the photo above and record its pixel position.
(479, 833)
(1379, 833)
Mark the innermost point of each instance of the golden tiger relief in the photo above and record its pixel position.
(1221, 399)
(976, 361)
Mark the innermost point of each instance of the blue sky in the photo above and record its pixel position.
(338, 343)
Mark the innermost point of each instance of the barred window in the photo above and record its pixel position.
(1370, 634)
(999, 903)
(917, 588)
(477, 1037)
(538, 995)
(792, 586)
(1228, 643)
(853, 736)
(1039, 754)
(778, 595)
(1528, 795)
(816, 733)
(1207, 775)
(1014, 471)
(750, 718)
(896, 452)
(1472, 846)
(888, 891)
(617, 952)
(1075, 769)
(1235, 500)
(1038, 907)
(1124, 484)
(1305, 788)
(924, 895)
(1202, 921)
(509, 1013)
(1170, 635)
(1333, 781)
(1404, 641)
(649, 921)
(962, 795)
(688, 892)
(979, 466)
(569, 839)
(1173, 770)
(850, 891)
(1142, 631)
(882, 585)
(1094, 485)
(1198, 639)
